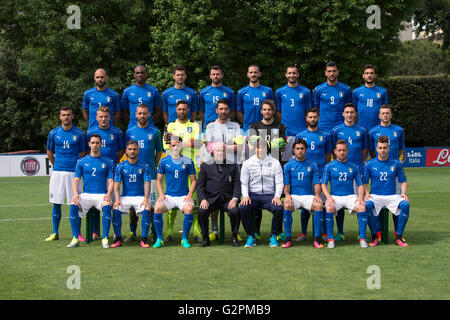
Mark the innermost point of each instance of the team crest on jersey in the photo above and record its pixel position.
(75, 138)
(392, 168)
(269, 165)
(224, 94)
(309, 169)
(350, 170)
(111, 136)
(103, 165)
(301, 95)
(320, 138)
(187, 97)
(263, 94)
(341, 94)
(378, 95)
(395, 134)
(149, 94)
(184, 166)
(189, 129)
(150, 136)
(140, 171)
(358, 133)
(108, 99)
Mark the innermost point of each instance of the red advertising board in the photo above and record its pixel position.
(438, 157)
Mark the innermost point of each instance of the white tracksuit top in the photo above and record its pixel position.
(262, 177)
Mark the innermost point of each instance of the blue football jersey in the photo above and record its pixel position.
(93, 98)
(112, 141)
(396, 139)
(66, 146)
(132, 177)
(249, 100)
(95, 173)
(368, 102)
(330, 100)
(319, 144)
(384, 176)
(172, 95)
(149, 140)
(301, 176)
(293, 103)
(135, 95)
(208, 101)
(176, 172)
(341, 176)
(356, 138)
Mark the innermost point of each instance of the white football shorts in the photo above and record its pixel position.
(348, 202)
(129, 202)
(175, 202)
(60, 187)
(89, 200)
(391, 202)
(304, 201)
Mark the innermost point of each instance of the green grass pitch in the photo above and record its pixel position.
(34, 269)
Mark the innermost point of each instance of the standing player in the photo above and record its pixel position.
(293, 100)
(249, 98)
(176, 169)
(302, 190)
(179, 91)
(369, 98)
(65, 145)
(140, 93)
(97, 174)
(343, 175)
(319, 152)
(98, 96)
(330, 98)
(135, 176)
(149, 141)
(210, 95)
(385, 173)
(357, 143)
(386, 128)
(189, 132)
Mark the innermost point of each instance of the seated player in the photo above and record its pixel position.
(384, 173)
(343, 175)
(98, 184)
(262, 186)
(135, 176)
(177, 169)
(302, 190)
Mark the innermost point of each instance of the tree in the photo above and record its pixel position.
(433, 15)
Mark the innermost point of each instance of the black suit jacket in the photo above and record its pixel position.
(213, 185)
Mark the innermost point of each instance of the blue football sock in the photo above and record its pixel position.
(340, 221)
(117, 222)
(329, 222)
(158, 222)
(378, 222)
(287, 219)
(362, 223)
(187, 224)
(75, 221)
(371, 218)
(56, 217)
(403, 217)
(304, 218)
(145, 223)
(106, 221)
(318, 222)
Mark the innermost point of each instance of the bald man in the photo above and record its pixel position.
(99, 96)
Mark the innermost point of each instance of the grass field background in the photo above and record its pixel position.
(34, 269)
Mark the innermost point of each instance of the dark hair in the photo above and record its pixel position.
(350, 105)
(383, 139)
(142, 105)
(386, 106)
(300, 141)
(179, 67)
(104, 109)
(270, 103)
(341, 141)
(176, 138)
(132, 142)
(95, 135)
(331, 64)
(370, 66)
(312, 110)
(215, 67)
(254, 65)
(182, 102)
(66, 108)
(292, 66)
(223, 101)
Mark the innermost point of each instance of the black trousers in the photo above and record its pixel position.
(203, 217)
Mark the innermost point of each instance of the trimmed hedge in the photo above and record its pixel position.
(421, 106)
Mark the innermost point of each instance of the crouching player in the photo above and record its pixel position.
(135, 177)
(343, 175)
(302, 190)
(177, 169)
(384, 175)
(98, 184)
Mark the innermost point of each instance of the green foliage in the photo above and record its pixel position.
(421, 107)
(419, 58)
(432, 15)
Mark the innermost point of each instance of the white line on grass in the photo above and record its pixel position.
(25, 205)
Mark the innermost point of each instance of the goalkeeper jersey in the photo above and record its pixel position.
(187, 131)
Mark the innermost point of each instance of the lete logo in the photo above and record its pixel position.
(438, 157)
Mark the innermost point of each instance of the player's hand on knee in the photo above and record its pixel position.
(404, 197)
(189, 199)
(204, 204)
(161, 199)
(276, 201)
(146, 205)
(76, 200)
(117, 205)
